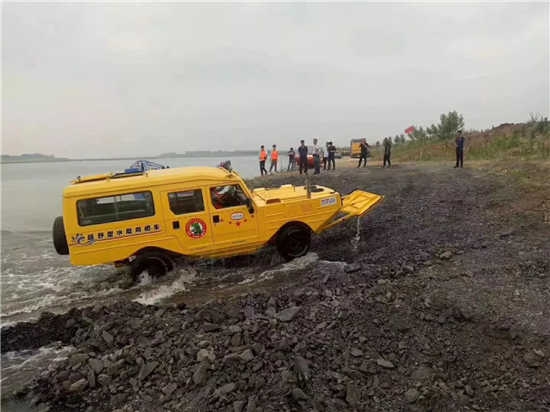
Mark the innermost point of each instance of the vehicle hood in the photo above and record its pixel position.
(290, 193)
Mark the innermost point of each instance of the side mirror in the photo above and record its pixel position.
(249, 205)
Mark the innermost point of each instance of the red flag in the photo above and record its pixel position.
(409, 130)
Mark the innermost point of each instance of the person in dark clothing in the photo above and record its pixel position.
(302, 151)
(291, 159)
(364, 153)
(387, 151)
(459, 142)
(331, 156)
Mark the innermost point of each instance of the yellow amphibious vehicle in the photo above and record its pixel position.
(148, 218)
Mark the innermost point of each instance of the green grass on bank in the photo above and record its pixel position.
(480, 146)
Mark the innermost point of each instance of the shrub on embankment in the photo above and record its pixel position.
(529, 141)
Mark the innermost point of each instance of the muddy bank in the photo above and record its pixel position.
(442, 307)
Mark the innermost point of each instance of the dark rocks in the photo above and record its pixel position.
(412, 395)
(299, 395)
(238, 406)
(79, 385)
(147, 369)
(107, 337)
(302, 368)
(205, 354)
(91, 378)
(246, 356)
(286, 315)
(353, 394)
(446, 255)
(352, 267)
(96, 365)
(169, 389)
(103, 379)
(534, 358)
(225, 389)
(356, 352)
(385, 363)
(201, 374)
(422, 373)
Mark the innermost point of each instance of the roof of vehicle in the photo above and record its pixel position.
(110, 182)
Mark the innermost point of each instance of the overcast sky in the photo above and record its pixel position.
(93, 80)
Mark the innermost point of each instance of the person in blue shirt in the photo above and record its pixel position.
(459, 142)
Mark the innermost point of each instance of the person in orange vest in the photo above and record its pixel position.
(263, 157)
(274, 159)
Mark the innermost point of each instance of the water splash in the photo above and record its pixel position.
(357, 238)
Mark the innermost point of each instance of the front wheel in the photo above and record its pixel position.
(293, 241)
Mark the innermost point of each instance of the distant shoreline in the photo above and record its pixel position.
(18, 159)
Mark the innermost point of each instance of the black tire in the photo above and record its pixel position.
(157, 264)
(59, 238)
(293, 241)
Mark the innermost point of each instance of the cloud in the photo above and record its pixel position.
(114, 79)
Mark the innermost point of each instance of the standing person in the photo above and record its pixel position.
(274, 158)
(316, 157)
(459, 142)
(331, 156)
(387, 151)
(325, 155)
(263, 157)
(302, 150)
(291, 159)
(364, 152)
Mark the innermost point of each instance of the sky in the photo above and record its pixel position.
(105, 79)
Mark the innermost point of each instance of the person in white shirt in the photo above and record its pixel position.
(317, 153)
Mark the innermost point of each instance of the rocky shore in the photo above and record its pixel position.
(442, 307)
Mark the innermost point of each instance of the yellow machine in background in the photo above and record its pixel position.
(146, 219)
(355, 148)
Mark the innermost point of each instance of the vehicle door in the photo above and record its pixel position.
(188, 219)
(233, 218)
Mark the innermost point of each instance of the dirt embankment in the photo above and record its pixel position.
(444, 306)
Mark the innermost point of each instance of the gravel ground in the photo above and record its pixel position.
(443, 306)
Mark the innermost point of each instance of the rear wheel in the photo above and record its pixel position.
(59, 238)
(293, 241)
(157, 264)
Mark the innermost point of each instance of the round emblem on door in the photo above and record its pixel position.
(195, 228)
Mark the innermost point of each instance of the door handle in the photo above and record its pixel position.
(216, 219)
(176, 224)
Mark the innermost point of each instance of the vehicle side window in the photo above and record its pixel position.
(115, 208)
(227, 196)
(189, 201)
